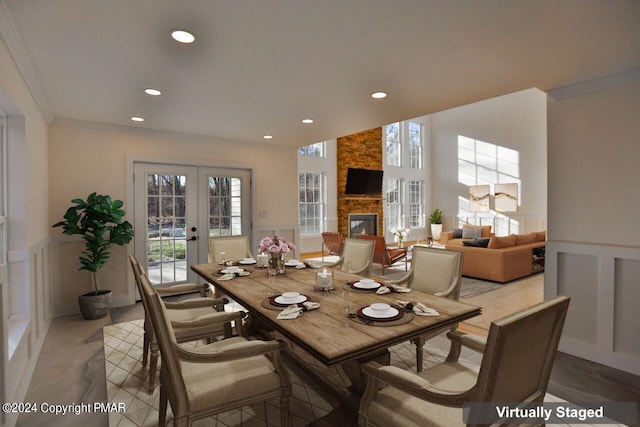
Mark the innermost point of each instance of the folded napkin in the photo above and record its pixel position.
(290, 312)
(230, 276)
(418, 308)
(392, 288)
(310, 305)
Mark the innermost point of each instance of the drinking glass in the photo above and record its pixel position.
(346, 304)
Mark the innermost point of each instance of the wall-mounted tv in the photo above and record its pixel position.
(363, 181)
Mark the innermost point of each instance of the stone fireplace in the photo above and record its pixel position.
(363, 224)
(361, 150)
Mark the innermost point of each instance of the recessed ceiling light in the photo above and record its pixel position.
(152, 92)
(379, 95)
(307, 121)
(183, 36)
(267, 137)
(137, 119)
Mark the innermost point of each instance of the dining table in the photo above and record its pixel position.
(331, 333)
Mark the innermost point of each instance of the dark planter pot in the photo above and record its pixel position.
(95, 306)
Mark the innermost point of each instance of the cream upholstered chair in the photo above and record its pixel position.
(357, 257)
(235, 247)
(518, 357)
(217, 377)
(192, 320)
(437, 272)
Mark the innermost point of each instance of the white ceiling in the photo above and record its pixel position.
(260, 66)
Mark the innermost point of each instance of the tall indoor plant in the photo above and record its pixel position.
(99, 221)
(436, 223)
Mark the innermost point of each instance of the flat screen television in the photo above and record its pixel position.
(363, 181)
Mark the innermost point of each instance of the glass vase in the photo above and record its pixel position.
(276, 264)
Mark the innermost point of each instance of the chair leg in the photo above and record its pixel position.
(145, 349)
(419, 342)
(284, 411)
(162, 409)
(454, 352)
(153, 365)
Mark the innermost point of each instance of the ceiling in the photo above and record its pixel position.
(259, 67)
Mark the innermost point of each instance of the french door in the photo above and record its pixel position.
(177, 208)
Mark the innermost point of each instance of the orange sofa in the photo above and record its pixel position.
(504, 259)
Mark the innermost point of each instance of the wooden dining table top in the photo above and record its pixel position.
(322, 332)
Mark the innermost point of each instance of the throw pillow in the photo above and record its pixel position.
(502, 242)
(478, 242)
(457, 233)
(485, 229)
(470, 233)
(525, 239)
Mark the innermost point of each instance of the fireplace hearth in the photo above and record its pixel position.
(363, 223)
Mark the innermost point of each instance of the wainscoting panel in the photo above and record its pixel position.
(602, 281)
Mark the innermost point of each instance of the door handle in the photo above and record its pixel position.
(193, 238)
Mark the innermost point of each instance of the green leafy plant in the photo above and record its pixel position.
(99, 221)
(436, 217)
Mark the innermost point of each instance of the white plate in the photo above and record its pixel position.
(292, 264)
(247, 262)
(368, 311)
(372, 285)
(239, 270)
(281, 300)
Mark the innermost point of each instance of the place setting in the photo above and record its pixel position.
(231, 271)
(291, 304)
(382, 314)
(370, 285)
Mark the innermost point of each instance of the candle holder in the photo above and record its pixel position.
(324, 280)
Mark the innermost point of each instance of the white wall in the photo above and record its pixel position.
(24, 291)
(516, 121)
(593, 252)
(84, 158)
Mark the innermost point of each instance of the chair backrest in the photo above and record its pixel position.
(436, 270)
(138, 272)
(357, 256)
(171, 374)
(380, 255)
(235, 247)
(333, 241)
(520, 352)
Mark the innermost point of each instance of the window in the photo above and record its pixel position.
(416, 209)
(393, 147)
(394, 204)
(311, 202)
(225, 206)
(415, 145)
(315, 150)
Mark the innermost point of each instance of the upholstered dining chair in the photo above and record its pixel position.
(356, 258)
(217, 377)
(384, 255)
(517, 359)
(437, 272)
(192, 320)
(235, 248)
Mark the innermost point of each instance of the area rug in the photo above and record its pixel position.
(127, 382)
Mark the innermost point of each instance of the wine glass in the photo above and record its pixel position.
(346, 304)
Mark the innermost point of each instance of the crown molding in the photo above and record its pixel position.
(596, 85)
(16, 50)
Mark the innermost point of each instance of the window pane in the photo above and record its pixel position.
(310, 202)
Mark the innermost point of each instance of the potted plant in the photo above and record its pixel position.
(99, 221)
(436, 223)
